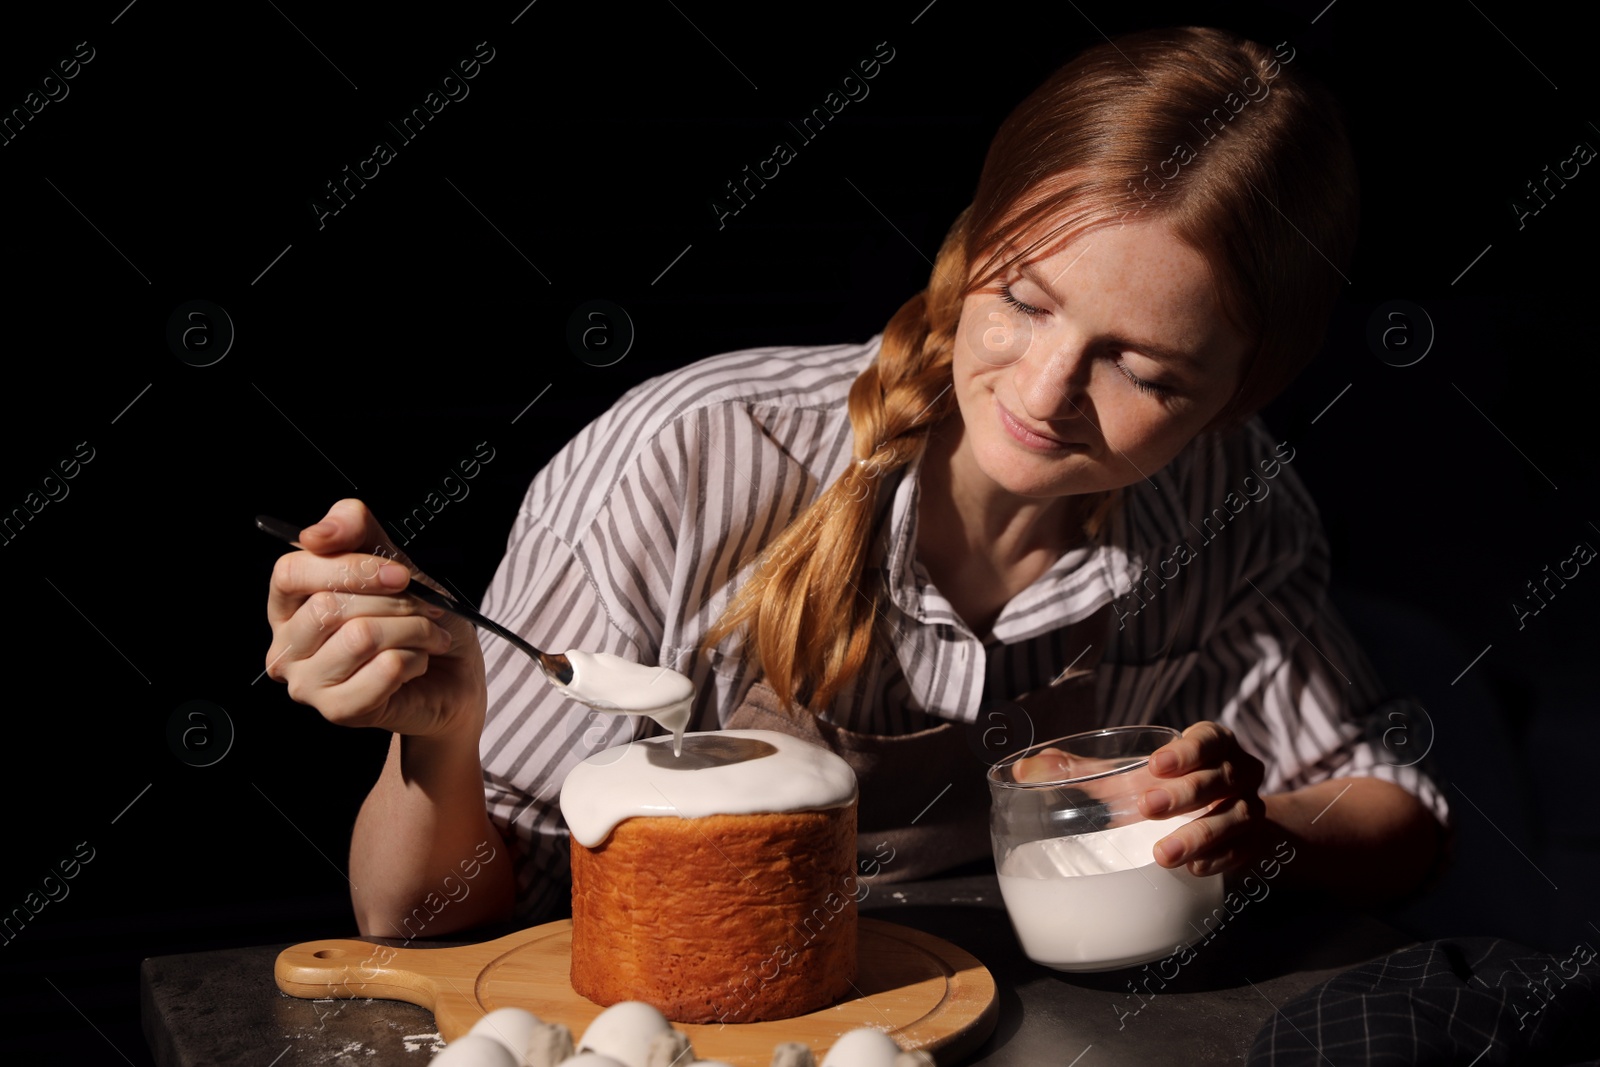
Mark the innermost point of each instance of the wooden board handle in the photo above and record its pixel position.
(345, 969)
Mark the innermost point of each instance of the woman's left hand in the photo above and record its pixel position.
(1207, 768)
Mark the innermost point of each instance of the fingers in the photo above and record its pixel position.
(361, 698)
(1207, 767)
(1050, 765)
(299, 575)
(1054, 765)
(322, 614)
(334, 653)
(1202, 745)
(349, 526)
(1207, 764)
(358, 664)
(1236, 777)
(1219, 841)
(346, 644)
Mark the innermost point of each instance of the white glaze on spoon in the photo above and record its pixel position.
(611, 683)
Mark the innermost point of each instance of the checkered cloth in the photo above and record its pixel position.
(1464, 1001)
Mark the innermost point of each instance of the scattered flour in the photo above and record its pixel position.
(423, 1043)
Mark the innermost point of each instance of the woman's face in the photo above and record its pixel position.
(1092, 367)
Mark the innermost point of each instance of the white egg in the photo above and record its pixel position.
(592, 1059)
(862, 1048)
(623, 1032)
(512, 1027)
(475, 1050)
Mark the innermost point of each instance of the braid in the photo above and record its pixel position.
(807, 612)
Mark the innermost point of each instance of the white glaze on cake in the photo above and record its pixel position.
(729, 772)
(611, 683)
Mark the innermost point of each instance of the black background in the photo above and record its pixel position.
(380, 348)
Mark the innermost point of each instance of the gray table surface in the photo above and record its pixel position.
(222, 1007)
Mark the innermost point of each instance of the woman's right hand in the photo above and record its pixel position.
(349, 643)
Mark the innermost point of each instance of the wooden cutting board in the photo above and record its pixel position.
(923, 991)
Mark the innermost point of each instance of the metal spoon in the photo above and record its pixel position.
(555, 666)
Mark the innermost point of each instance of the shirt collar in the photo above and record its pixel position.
(1078, 584)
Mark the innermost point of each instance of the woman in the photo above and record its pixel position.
(1029, 504)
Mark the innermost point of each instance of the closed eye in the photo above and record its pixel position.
(1153, 388)
(1026, 309)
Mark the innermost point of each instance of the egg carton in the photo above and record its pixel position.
(634, 1034)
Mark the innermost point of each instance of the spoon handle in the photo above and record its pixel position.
(556, 666)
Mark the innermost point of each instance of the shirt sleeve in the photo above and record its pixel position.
(1277, 666)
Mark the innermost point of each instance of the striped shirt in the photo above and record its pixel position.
(634, 537)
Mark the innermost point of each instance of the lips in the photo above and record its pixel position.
(1030, 438)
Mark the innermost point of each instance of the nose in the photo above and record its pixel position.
(1052, 381)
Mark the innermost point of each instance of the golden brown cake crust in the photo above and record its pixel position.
(731, 918)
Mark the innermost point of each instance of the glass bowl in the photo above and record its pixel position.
(1074, 855)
